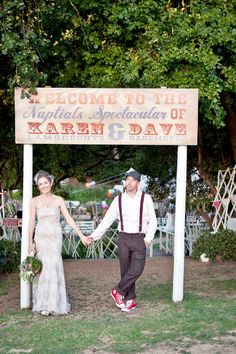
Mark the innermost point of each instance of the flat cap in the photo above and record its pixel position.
(135, 174)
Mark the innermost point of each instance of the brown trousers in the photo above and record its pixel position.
(132, 257)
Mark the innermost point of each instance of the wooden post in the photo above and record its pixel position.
(178, 276)
(27, 195)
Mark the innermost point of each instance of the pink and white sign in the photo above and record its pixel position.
(94, 116)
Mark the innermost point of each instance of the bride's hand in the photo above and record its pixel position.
(89, 240)
(84, 240)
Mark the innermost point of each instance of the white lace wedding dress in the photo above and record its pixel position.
(49, 290)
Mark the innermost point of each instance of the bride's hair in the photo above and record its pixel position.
(41, 174)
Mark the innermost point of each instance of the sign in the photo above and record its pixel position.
(107, 116)
(12, 222)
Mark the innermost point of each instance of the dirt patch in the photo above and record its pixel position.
(91, 280)
(88, 279)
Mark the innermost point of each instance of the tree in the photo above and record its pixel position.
(129, 43)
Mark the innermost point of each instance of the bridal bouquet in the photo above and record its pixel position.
(29, 268)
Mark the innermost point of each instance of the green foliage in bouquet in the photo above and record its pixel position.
(221, 244)
(29, 268)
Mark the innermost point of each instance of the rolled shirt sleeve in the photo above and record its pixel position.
(109, 218)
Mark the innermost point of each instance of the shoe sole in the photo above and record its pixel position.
(126, 310)
(119, 306)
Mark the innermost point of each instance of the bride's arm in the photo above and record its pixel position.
(70, 220)
(31, 225)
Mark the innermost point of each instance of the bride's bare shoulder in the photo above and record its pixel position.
(58, 198)
(35, 201)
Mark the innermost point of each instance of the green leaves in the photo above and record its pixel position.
(147, 43)
(220, 244)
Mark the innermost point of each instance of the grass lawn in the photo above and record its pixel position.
(160, 325)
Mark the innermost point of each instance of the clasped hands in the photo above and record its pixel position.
(86, 240)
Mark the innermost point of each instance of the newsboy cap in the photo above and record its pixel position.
(135, 174)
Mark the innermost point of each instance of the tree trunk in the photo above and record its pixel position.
(201, 170)
(207, 180)
(227, 102)
(205, 216)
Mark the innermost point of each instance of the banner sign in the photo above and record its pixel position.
(95, 116)
(12, 222)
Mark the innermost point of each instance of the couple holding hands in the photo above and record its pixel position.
(136, 228)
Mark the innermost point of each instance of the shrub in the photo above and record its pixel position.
(221, 244)
(9, 256)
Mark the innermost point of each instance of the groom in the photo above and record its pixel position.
(137, 226)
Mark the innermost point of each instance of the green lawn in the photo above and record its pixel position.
(198, 319)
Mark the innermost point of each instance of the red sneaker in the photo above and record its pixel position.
(130, 306)
(118, 298)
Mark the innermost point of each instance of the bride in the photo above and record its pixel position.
(49, 291)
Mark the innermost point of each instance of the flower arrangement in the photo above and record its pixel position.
(29, 268)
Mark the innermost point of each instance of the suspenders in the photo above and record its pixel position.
(120, 211)
(140, 212)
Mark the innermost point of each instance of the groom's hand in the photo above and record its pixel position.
(89, 240)
(147, 244)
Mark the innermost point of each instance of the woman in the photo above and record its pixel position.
(170, 220)
(49, 292)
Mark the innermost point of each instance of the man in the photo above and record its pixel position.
(137, 226)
